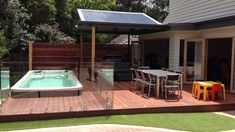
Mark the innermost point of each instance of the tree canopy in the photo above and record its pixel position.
(55, 20)
(14, 19)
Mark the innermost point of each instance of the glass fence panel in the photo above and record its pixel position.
(11, 72)
(97, 87)
(38, 89)
(5, 84)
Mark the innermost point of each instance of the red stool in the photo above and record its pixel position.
(216, 88)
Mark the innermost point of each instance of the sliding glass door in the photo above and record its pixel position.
(232, 86)
(194, 58)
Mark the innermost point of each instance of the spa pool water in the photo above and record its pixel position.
(49, 79)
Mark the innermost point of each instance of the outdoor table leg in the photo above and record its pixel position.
(181, 86)
(205, 93)
(223, 91)
(158, 87)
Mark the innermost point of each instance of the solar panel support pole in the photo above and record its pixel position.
(81, 54)
(30, 55)
(128, 46)
(81, 46)
(93, 54)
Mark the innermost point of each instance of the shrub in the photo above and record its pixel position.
(48, 33)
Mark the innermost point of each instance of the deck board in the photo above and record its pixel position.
(123, 98)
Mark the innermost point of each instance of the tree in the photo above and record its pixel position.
(132, 5)
(95, 4)
(43, 11)
(3, 44)
(158, 9)
(64, 16)
(48, 33)
(160, 6)
(13, 17)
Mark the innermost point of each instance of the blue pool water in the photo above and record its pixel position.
(107, 74)
(5, 80)
(49, 79)
(5, 83)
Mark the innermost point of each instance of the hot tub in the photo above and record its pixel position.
(47, 80)
(5, 80)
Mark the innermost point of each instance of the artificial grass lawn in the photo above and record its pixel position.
(178, 121)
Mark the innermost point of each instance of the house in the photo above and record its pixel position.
(199, 38)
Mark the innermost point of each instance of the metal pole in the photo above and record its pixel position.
(93, 53)
(128, 52)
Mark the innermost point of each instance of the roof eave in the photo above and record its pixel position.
(209, 24)
(130, 28)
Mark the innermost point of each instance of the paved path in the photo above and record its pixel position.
(100, 128)
(230, 114)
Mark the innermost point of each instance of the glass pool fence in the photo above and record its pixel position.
(97, 92)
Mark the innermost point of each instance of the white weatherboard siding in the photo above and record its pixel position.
(174, 47)
(191, 11)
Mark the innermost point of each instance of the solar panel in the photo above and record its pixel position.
(115, 17)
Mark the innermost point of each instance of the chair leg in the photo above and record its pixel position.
(136, 86)
(193, 90)
(165, 93)
(213, 96)
(149, 91)
(178, 93)
(163, 90)
(142, 87)
(222, 96)
(198, 95)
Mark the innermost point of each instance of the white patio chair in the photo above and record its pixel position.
(148, 81)
(139, 79)
(135, 78)
(170, 84)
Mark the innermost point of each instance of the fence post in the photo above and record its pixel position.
(93, 53)
(30, 55)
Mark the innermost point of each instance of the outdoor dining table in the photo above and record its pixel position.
(158, 73)
(209, 84)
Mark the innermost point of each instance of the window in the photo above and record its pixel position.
(181, 63)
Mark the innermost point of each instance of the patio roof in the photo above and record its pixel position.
(118, 22)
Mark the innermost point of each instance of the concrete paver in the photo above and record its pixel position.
(100, 128)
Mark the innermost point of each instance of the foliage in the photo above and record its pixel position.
(48, 33)
(158, 9)
(132, 5)
(104, 38)
(43, 11)
(23, 19)
(64, 15)
(3, 44)
(160, 6)
(95, 4)
(14, 17)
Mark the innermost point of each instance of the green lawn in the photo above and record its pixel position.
(180, 121)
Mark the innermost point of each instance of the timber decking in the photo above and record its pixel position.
(124, 101)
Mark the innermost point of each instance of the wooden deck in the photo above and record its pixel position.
(68, 104)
